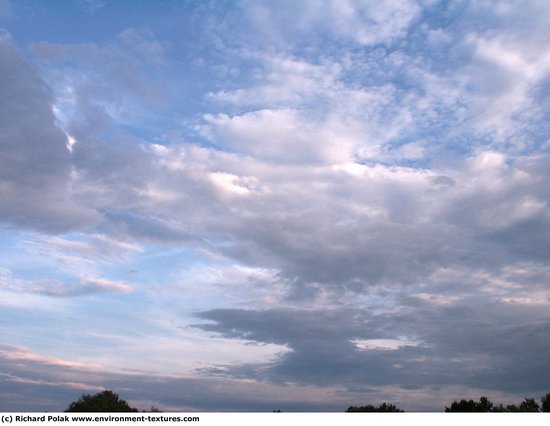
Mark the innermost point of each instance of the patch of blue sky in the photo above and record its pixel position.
(9, 238)
(36, 316)
(534, 134)
(53, 21)
(443, 14)
(61, 21)
(156, 264)
(23, 264)
(90, 322)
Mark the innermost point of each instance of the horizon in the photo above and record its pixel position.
(249, 206)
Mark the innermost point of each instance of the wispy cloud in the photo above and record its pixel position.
(58, 288)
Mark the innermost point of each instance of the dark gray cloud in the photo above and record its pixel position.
(322, 351)
(478, 344)
(353, 233)
(34, 159)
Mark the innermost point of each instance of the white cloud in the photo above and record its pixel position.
(19, 353)
(82, 250)
(283, 80)
(285, 136)
(383, 344)
(505, 73)
(231, 184)
(102, 284)
(364, 23)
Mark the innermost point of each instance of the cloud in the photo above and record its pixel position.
(282, 81)
(352, 21)
(515, 74)
(283, 136)
(34, 375)
(145, 228)
(35, 179)
(93, 284)
(81, 253)
(57, 288)
(479, 345)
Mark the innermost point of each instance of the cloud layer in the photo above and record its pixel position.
(353, 202)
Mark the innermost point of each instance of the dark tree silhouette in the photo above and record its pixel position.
(545, 401)
(382, 408)
(529, 405)
(104, 402)
(470, 406)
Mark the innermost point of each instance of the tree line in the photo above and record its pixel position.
(109, 402)
(528, 405)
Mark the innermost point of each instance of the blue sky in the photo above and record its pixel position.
(250, 205)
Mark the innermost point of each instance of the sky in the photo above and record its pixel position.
(256, 205)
